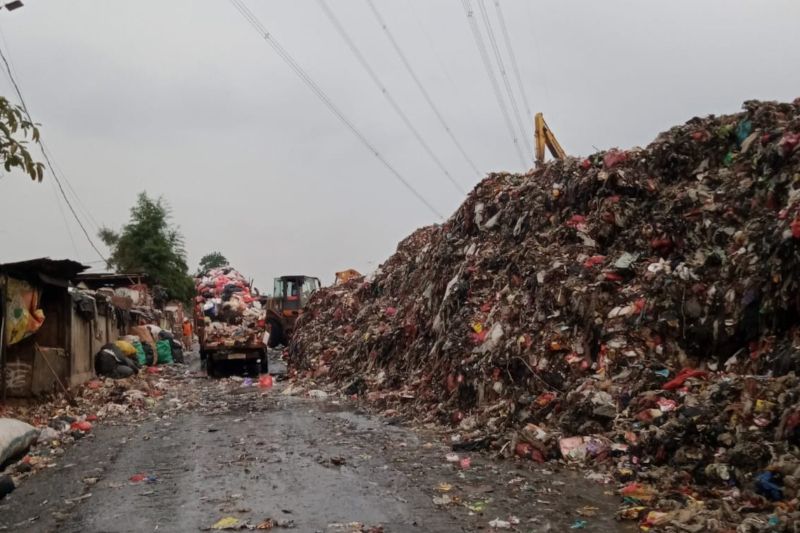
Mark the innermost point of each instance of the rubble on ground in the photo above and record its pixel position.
(636, 312)
(64, 419)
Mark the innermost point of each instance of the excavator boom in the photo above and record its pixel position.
(546, 138)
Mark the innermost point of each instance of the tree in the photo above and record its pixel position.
(13, 150)
(150, 244)
(212, 260)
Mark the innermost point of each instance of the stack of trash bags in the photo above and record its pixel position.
(150, 346)
(636, 312)
(233, 315)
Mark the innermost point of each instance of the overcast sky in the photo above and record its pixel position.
(183, 99)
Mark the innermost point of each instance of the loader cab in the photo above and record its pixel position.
(292, 292)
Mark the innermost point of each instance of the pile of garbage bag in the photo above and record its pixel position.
(636, 312)
(233, 315)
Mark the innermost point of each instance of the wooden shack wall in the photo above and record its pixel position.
(31, 371)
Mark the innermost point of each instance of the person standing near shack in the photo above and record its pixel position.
(187, 334)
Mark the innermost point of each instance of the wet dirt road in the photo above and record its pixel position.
(219, 450)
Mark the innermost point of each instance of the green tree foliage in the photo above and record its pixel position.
(14, 129)
(212, 260)
(149, 243)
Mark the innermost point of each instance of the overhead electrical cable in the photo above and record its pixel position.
(389, 98)
(513, 57)
(431, 44)
(487, 64)
(541, 71)
(11, 74)
(53, 171)
(64, 218)
(289, 60)
(421, 87)
(504, 75)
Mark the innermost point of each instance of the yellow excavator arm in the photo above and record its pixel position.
(545, 137)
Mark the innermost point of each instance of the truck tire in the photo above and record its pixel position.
(264, 362)
(276, 336)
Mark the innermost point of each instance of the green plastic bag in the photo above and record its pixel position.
(140, 357)
(164, 349)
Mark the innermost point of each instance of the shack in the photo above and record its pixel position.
(40, 350)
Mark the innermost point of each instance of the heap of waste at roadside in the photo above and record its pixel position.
(63, 419)
(232, 315)
(636, 312)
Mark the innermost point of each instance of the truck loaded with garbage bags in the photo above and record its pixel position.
(230, 323)
(147, 345)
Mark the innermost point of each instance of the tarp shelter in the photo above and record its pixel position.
(35, 319)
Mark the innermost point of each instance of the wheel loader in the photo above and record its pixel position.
(290, 294)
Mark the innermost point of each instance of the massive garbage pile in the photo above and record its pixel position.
(637, 312)
(232, 314)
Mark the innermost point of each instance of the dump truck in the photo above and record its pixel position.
(229, 322)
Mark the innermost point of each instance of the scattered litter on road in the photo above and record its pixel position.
(228, 522)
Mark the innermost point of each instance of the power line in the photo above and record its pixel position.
(421, 87)
(361, 59)
(64, 219)
(513, 57)
(289, 60)
(487, 64)
(538, 54)
(502, 68)
(47, 158)
(431, 45)
(11, 75)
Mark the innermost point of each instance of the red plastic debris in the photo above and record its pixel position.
(545, 398)
(153, 370)
(586, 164)
(94, 384)
(391, 311)
(576, 220)
(789, 142)
(137, 478)
(614, 158)
(478, 338)
(91, 418)
(682, 376)
(82, 426)
(265, 381)
(795, 225)
(594, 260)
(612, 276)
(465, 463)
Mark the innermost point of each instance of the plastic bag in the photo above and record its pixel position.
(140, 356)
(126, 348)
(24, 315)
(164, 351)
(15, 438)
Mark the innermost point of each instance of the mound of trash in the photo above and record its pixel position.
(637, 311)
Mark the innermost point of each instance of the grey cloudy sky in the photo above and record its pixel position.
(182, 98)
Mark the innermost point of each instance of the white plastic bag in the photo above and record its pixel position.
(15, 438)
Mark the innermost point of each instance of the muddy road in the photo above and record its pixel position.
(215, 450)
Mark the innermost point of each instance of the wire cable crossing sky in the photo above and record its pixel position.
(503, 74)
(389, 98)
(256, 24)
(421, 87)
(47, 158)
(487, 64)
(513, 57)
